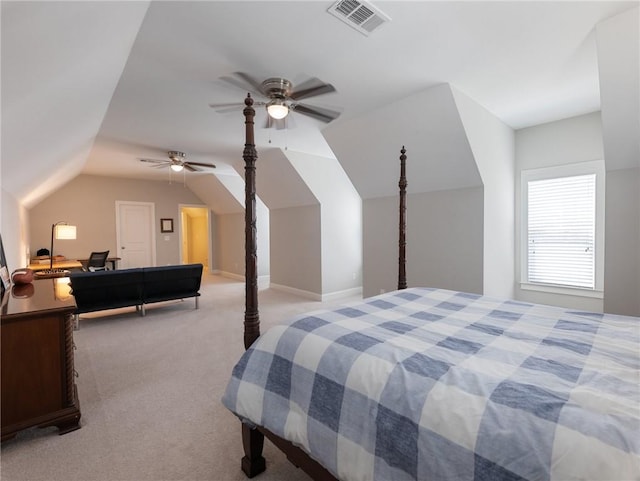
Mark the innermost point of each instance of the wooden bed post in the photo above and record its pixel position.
(253, 462)
(251, 317)
(402, 243)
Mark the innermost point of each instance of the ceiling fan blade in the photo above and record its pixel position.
(233, 107)
(189, 167)
(319, 113)
(244, 81)
(153, 161)
(200, 164)
(225, 106)
(311, 88)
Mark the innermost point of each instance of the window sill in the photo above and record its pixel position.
(565, 291)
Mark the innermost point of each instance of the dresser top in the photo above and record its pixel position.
(41, 295)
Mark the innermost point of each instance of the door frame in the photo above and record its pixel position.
(210, 241)
(152, 208)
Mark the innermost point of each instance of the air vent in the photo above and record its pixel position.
(362, 16)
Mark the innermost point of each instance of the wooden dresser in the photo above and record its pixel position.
(38, 377)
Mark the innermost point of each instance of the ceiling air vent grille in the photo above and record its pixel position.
(362, 16)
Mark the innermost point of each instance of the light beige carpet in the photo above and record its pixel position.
(150, 390)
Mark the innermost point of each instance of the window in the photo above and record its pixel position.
(562, 239)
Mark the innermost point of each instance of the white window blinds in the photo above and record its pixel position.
(561, 231)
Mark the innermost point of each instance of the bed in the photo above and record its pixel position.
(432, 384)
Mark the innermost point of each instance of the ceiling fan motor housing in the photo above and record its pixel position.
(277, 87)
(176, 156)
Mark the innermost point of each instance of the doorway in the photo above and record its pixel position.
(195, 234)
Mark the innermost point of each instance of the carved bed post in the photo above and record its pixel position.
(253, 462)
(251, 317)
(402, 243)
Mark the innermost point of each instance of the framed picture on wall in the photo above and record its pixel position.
(4, 270)
(166, 225)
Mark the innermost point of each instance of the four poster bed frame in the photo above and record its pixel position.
(253, 463)
(514, 390)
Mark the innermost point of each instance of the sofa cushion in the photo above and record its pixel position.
(95, 291)
(171, 282)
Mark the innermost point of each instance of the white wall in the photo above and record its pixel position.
(577, 139)
(622, 256)
(296, 234)
(492, 144)
(229, 243)
(88, 202)
(618, 42)
(15, 234)
(444, 241)
(340, 219)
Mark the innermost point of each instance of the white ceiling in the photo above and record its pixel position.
(89, 87)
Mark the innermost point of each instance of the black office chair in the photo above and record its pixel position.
(97, 261)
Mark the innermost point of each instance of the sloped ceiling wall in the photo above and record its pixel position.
(428, 125)
(223, 194)
(445, 204)
(340, 220)
(618, 43)
(278, 183)
(82, 68)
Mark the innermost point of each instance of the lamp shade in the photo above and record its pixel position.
(277, 109)
(177, 167)
(64, 231)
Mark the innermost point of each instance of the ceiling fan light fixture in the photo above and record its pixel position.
(277, 109)
(177, 167)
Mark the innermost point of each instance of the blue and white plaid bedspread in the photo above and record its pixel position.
(426, 384)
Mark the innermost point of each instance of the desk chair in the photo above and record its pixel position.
(97, 261)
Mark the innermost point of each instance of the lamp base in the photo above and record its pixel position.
(49, 273)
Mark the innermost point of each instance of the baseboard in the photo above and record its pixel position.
(332, 296)
(231, 275)
(314, 296)
(263, 281)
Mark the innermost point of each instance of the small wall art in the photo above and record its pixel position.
(166, 225)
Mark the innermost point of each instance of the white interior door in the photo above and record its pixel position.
(136, 239)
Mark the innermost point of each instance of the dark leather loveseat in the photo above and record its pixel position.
(100, 290)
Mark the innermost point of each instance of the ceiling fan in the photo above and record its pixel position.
(280, 96)
(177, 162)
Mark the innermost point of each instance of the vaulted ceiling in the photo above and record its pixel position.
(90, 87)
